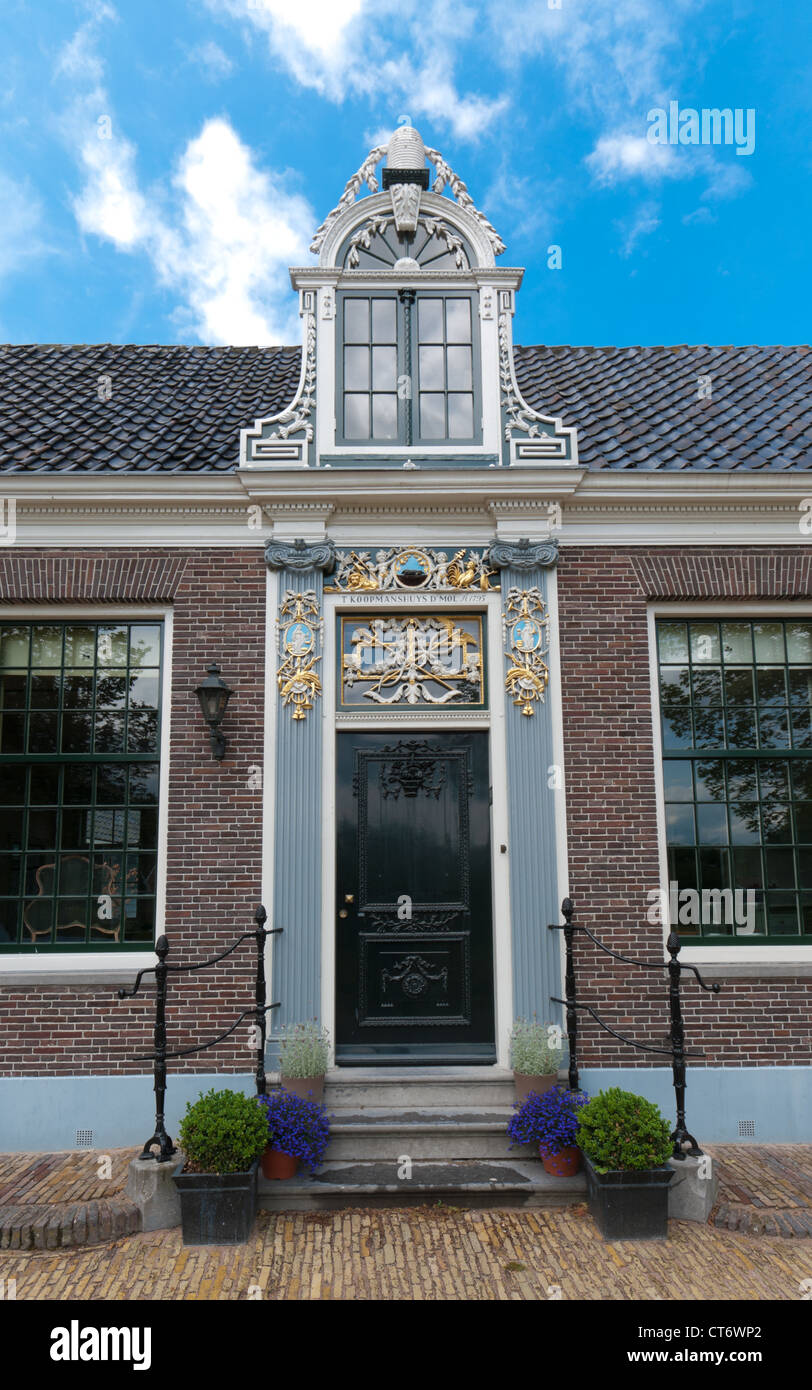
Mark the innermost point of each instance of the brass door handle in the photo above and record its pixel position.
(343, 912)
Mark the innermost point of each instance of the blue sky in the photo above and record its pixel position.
(234, 125)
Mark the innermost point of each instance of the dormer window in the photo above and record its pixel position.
(406, 369)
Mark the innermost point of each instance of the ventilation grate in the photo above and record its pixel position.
(747, 1129)
(84, 1138)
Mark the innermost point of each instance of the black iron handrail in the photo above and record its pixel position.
(160, 1053)
(681, 1139)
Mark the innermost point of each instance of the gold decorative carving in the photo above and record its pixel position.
(526, 625)
(432, 659)
(411, 568)
(300, 640)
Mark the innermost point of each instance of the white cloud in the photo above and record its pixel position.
(22, 215)
(645, 221)
(211, 60)
(621, 155)
(221, 238)
(404, 55)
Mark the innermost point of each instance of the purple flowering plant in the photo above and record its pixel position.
(549, 1120)
(296, 1126)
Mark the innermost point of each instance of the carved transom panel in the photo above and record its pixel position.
(416, 659)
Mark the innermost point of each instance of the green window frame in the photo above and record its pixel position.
(80, 738)
(736, 718)
(408, 369)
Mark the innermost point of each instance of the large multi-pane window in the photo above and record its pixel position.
(736, 709)
(407, 369)
(79, 762)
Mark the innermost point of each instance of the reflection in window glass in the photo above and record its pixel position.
(744, 691)
(92, 689)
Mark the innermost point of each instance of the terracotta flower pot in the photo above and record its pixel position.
(307, 1087)
(565, 1164)
(525, 1084)
(276, 1164)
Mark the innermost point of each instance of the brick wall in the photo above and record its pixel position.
(611, 806)
(214, 820)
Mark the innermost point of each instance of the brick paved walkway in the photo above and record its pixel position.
(764, 1190)
(419, 1254)
(57, 1200)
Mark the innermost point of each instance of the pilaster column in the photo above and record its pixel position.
(526, 580)
(297, 853)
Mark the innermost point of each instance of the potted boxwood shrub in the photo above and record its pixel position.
(295, 1129)
(626, 1147)
(535, 1061)
(550, 1121)
(304, 1053)
(222, 1136)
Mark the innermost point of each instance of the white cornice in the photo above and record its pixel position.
(600, 508)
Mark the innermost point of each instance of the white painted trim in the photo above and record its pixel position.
(743, 609)
(269, 789)
(556, 698)
(422, 719)
(51, 962)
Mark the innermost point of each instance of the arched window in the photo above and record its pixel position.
(378, 245)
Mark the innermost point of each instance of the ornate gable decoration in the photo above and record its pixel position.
(415, 570)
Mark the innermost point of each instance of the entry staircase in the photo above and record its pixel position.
(417, 1136)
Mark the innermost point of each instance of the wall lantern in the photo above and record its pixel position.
(214, 695)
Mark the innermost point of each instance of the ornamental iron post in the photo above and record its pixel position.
(567, 909)
(261, 917)
(680, 1137)
(683, 1141)
(160, 1052)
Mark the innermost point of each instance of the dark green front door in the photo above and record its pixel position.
(414, 957)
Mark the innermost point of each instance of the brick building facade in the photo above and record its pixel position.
(501, 626)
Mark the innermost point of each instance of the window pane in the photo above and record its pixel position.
(458, 320)
(800, 685)
(705, 642)
(12, 733)
(356, 368)
(111, 646)
(711, 823)
(80, 645)
(799, 641)
(13, 686)
(677, 780)
(384, 369)
(430, 320)
(144, 690)
(672, 639)
(677, 729)
(770, 685)
(769, 640)
(737, 642)
(739, 686)
(460, 416)
(356, 417)
(708, 687)
(356, 320)
(383, 321)
(432, 371)
(679, 823)
(432, 416)
(46, 646)
(145, 645)
(710, 780)
(14, 646)
(460, 371)
(384, 417)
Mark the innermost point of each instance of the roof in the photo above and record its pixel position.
(180, 409)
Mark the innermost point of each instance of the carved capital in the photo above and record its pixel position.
(301, 556)
(523, 554)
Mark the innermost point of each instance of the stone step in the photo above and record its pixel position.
(388, 1134)
(360, 1088)
(471, 1183)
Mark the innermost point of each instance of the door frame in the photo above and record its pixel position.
(422, 719)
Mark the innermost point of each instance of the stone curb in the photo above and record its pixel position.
(60, 1226)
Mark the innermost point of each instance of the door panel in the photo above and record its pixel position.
(414, 932)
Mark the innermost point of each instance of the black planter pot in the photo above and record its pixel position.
(629, 1205)
(217, 1208)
